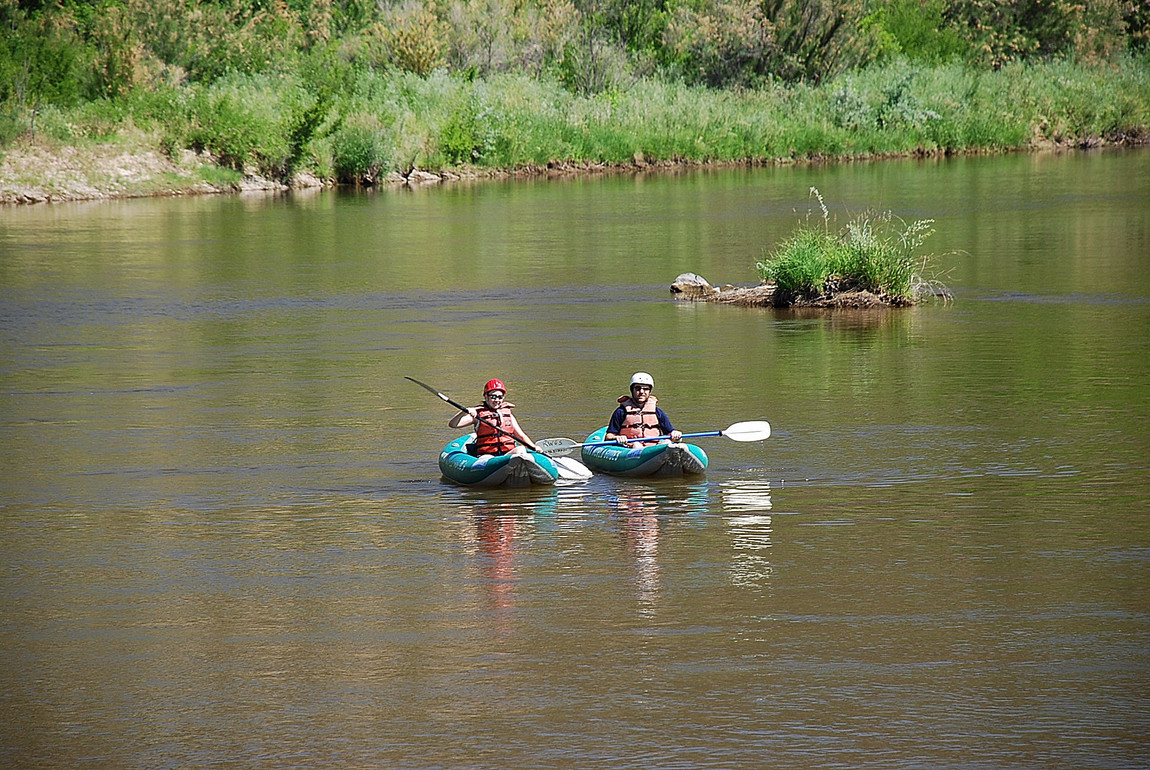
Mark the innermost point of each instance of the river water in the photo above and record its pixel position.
(224, 539)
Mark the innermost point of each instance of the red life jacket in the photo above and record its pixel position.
(489, 441)
(640, 422)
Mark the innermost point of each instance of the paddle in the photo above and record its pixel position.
(456, 404)
(754, 430)
(568, 468)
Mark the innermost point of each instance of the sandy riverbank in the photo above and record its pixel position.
(41, 172)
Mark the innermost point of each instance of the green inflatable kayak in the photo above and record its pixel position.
(511, 470)
(663, 459)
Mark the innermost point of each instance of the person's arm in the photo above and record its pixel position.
(615, 426)
(666, 426)
(522, 437)
(463, 419)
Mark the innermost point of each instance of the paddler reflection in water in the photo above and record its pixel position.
(493, 413)
(639, 415)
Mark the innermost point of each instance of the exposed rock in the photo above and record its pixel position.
(306, 180)
(253, 183)
(694, 287)
(691, 286)
(418, 176)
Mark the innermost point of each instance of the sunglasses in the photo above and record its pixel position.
(495, 396)
(640, 387)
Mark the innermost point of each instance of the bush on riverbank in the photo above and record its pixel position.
(875, 254)
(67, 51)
(370, 124)
(354, 91)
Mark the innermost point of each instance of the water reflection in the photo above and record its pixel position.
(496, 527)
(746, 495)
(224, 529)
(636, 511)
(496, 536)
(745, 503)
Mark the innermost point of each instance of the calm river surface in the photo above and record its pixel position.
(224, 539)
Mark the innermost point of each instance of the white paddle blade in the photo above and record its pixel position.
(571, 469)
(755, 430)
(556, 447)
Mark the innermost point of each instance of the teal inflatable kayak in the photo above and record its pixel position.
(458, 465)
(644, 460)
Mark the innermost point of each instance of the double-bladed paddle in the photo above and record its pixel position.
(753, 430)
(456, 404)
(568, 469)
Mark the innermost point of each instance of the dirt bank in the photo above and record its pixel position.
(130, 167)
(43, 173)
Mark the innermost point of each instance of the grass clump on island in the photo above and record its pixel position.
(873, 260)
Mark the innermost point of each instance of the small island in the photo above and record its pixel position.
(871, 262)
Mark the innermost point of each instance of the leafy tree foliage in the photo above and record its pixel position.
(69, 52)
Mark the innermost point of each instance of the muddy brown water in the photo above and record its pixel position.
(224, 539)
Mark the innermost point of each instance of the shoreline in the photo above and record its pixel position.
(35, 173)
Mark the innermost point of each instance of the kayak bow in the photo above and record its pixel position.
(509, 470)
(663, 459)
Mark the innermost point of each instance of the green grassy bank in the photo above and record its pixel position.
(366, 126)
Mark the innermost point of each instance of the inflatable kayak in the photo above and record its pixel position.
(643, 460)
(458, 465)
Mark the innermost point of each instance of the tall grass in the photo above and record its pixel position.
(359, 125)
(512, 121)
(875, 253)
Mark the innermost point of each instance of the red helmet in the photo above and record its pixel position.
(494, 385)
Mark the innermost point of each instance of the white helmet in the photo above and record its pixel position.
(642, 378)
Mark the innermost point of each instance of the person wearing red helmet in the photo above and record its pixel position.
(496, 429)
(639, 416)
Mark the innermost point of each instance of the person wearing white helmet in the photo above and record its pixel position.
(639, 416)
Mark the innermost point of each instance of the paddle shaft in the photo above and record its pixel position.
(655, 438)
(755, 430)
(553, 447)
(461, 407)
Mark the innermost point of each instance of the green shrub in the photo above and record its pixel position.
(920, 29)
(875, 253)
(725, 44)
(800, 266)
(415, 39)
(240, 121)
(263, 122)
(42, 60)
(460, 139)
(14, 123)
(359, 151)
